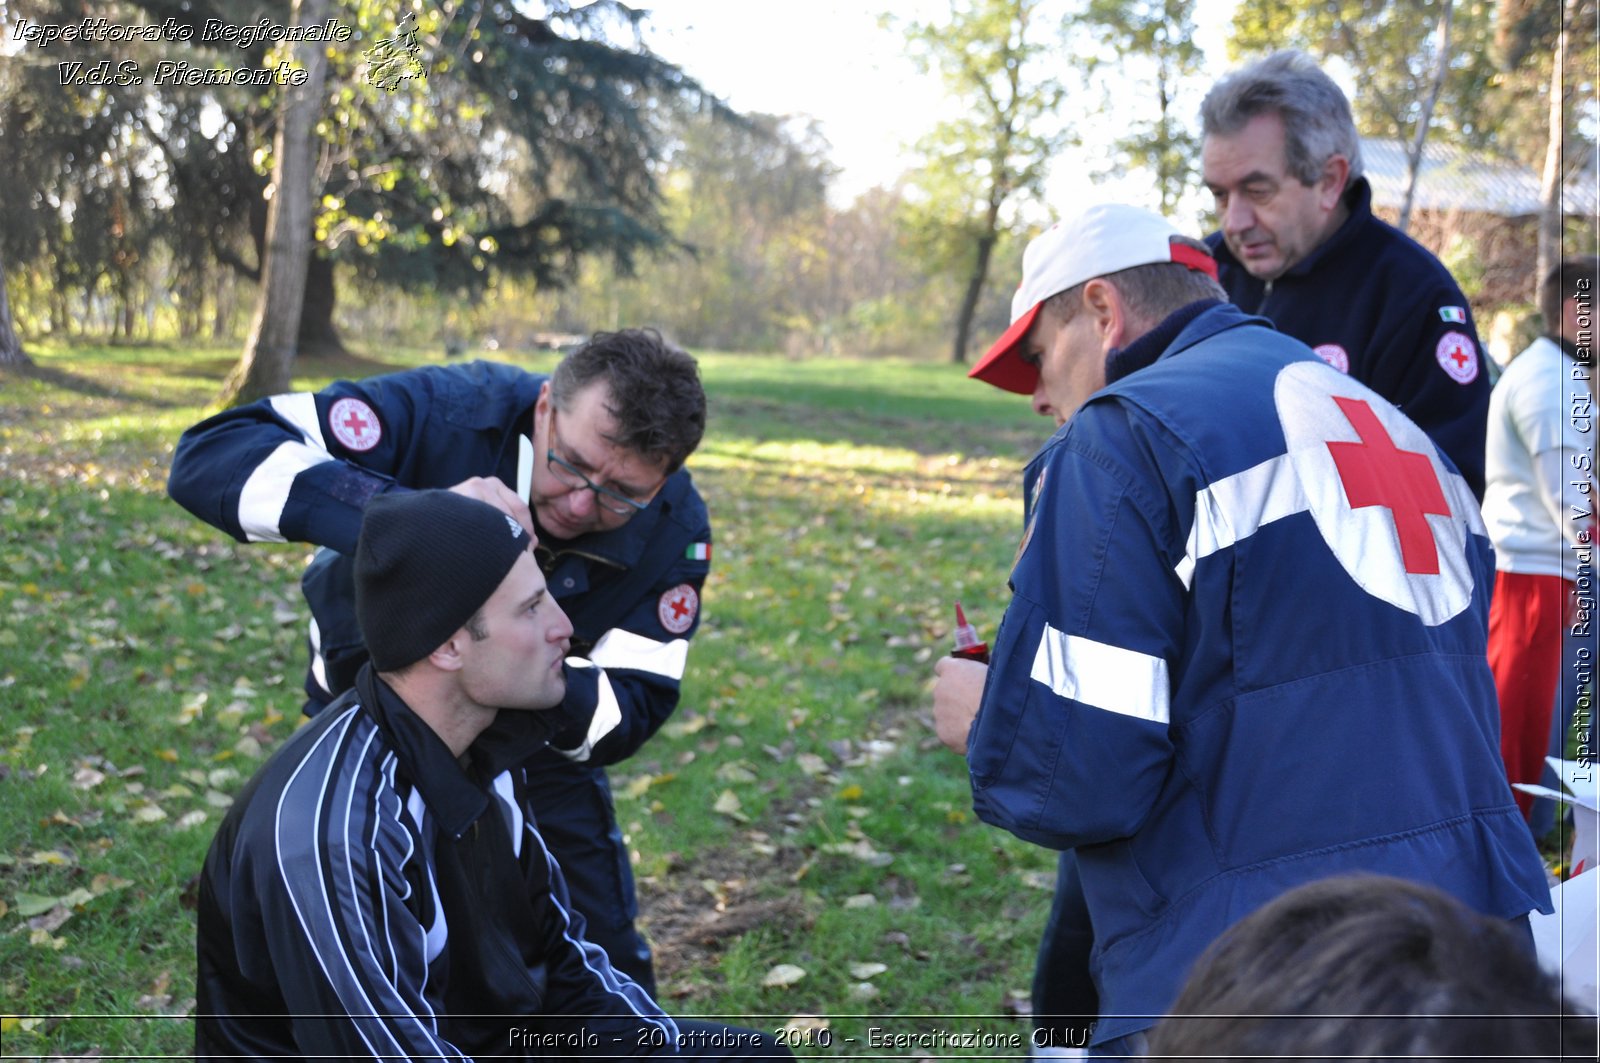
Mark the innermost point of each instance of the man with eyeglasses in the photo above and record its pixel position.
(589, 460)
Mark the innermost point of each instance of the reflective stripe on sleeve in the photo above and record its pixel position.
(266, 492)
(624, 649)
(607, 713)
(1102, 676)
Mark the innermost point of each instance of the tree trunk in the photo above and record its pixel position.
(11, 352)
(1551, 212)
(969, 302)
(264, 369)
(1441, 71)
(318, 336)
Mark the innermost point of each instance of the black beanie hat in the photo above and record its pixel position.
(425, 563)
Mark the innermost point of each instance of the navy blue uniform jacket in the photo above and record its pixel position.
(1246, 650)
(277, 470)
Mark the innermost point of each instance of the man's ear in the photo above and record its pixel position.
(1107, 312)
(1335, 178)
(448, 657)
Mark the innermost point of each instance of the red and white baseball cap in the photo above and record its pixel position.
(1103, 240)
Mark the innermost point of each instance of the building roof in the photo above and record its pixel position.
(1456, 179)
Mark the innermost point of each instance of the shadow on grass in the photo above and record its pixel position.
(87, 386)
(341, 366)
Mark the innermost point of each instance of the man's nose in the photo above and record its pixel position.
(583, 501)
(1238, 217)
(561, 629)
(1041, 401)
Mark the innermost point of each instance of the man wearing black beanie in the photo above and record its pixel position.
(381, 888)
(589, 459)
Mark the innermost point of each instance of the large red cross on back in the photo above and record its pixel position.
(1375, 472)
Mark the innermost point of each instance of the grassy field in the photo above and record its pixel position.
(804, 847)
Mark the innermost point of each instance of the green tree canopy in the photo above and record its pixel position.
(525, 144)
(994, 57)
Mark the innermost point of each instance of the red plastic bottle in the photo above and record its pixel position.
(968, 646)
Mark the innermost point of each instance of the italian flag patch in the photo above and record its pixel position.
(1453, 314)
(698, 552)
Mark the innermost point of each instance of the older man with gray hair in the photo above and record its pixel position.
(1299, 244)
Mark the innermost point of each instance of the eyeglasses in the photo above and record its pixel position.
(568, 475)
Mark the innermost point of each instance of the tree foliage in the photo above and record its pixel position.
(1151, 45)
(1422, 66)
(1547, 55)
(1004, 130)
(764, 261)
(527, 144)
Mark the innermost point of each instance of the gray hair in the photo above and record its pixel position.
(1151, 292)
(1317, 123)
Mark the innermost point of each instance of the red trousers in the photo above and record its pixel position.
(1525, 621)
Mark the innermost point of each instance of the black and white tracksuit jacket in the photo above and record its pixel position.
(370, 895)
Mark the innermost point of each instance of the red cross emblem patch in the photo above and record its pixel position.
(1394, 517)
(354, 425)
(677, 608)
(1334, 355)
(1377, 473)
(1458, 356)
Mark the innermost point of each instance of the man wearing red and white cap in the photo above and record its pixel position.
(1246, 644)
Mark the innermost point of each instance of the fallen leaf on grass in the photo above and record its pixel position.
(784, 974)
(681, 728)
(728, 804)
(43, 939)
(1017, 1002)
(190, 819)
(640, 786)
(736, 771)
(862, 971)
(191, 709)
(103, 884)
(862, 850)
(158, 998)
(87, 778)
(50, 858)
(50, 921)
(811, 764)
(149, 814)
(32, 904)
(860, 900)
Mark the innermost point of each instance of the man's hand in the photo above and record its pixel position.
(956, 694)
(490, 489)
